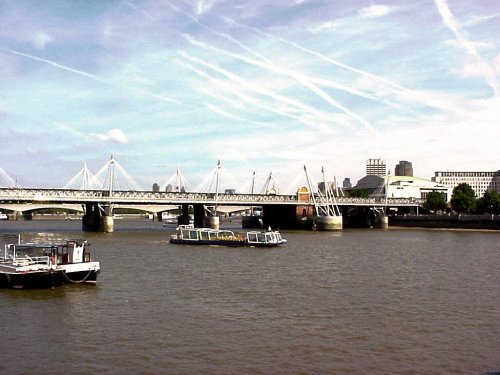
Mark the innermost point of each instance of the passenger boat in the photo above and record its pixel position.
(3, 216)
(188, 235)
(34, 266)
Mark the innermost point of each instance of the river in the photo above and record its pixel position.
(397, 301)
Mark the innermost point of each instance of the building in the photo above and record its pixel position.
(480, 182)
(376, 167)
(402, 187)
(347, 183)
(404, 168)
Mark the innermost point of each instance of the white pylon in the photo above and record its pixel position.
(83, 180)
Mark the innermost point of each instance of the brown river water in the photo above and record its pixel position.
(397, 301)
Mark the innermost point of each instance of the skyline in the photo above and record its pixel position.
(264, 86)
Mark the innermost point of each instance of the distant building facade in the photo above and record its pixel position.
(402, 187)
(404, 168)
(376, 167)
(347, 183)
(480, 182)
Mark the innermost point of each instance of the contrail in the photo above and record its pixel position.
(269, 93)
(140, 11)
(302, 79)
(450, 22)
(244, 98)
(269, 65)
(88, 75)
(413, 95)
(314, 53)
(321, 56)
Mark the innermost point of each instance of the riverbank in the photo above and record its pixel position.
(491, 222)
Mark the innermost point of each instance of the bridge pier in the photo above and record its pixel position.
(326, 223)
(199, 215)
(184, 217)
(97, 219)
(279, 217)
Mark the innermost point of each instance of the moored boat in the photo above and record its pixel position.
(35, 266)
(188, 235)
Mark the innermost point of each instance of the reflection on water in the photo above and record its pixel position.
(359, 301)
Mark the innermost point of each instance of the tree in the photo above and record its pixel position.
(435, 201)
(358, 193)
(463, 199)
(489, 203)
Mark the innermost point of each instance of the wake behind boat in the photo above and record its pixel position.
(34, 266)
(188, 235)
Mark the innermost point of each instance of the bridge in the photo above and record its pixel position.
(278, 210)
(30, 199)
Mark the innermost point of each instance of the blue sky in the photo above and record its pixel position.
(261, 85)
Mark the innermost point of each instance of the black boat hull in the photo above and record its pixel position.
(46, 279)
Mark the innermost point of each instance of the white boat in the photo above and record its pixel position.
(3, 216)
(33, 266)
(188, 235)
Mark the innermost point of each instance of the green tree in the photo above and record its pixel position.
(489, 203)
(358, 193)
(435, 201)
(463, 199)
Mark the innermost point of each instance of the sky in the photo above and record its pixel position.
(261, 85)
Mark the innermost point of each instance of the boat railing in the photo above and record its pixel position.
(30, 261)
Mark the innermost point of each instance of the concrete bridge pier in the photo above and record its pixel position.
(381, 220)
(327, 223)
(91, 218)
(107, 221)
(199, 215)
(97, 219)
(184, 217)
(211, 222)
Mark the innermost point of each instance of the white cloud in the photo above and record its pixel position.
(374, 11)
(203, 6)
(41, 39)
(113, 136)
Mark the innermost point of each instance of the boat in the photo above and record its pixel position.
(3, 216)
(37, 266)
(189, 235)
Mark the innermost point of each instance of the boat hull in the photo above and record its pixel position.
(46, 279)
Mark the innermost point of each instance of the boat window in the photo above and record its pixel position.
(62, 250)
(193, 234)
(261, 237)
(252, 237)
(204, 235)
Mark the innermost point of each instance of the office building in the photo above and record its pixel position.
(480, 182)
(375, 167)
(403, 168)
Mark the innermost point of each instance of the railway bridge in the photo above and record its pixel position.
(277, 210)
